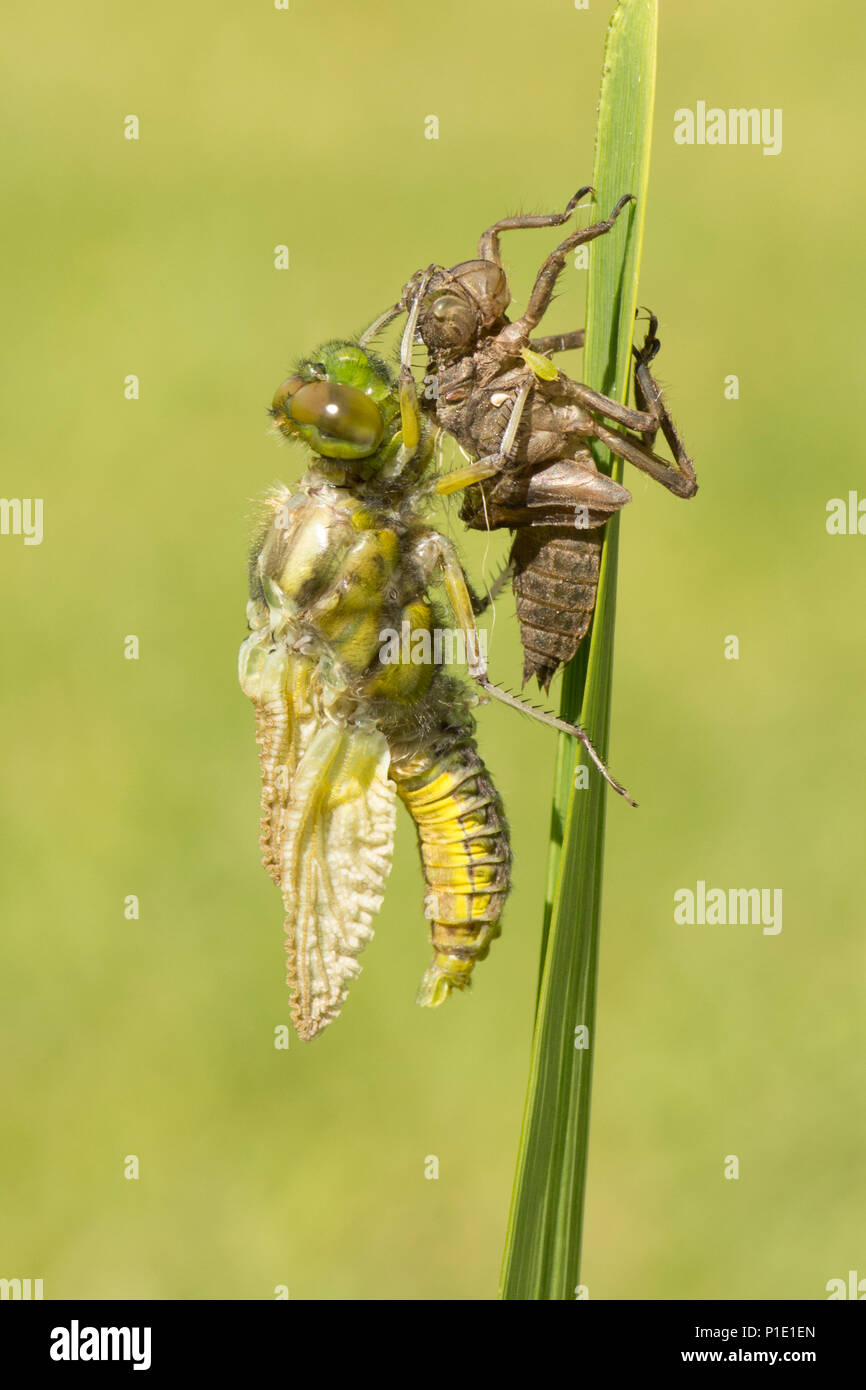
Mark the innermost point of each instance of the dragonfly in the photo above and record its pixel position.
(344, 728)
(527, 428)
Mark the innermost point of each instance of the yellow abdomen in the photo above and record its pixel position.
(465, 853)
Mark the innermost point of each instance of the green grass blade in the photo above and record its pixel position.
(542, 1253)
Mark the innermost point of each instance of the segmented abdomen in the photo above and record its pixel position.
(555, 584)
(465, 855)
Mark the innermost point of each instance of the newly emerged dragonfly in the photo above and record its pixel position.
(527, 427)
(344, 729)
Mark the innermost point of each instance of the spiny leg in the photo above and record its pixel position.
(545, 281)
(488, 244)
(378, 324)
(481, 604)
(649, 397)
(653, 415)
(575, 730)
(680, 477)
(461, 603)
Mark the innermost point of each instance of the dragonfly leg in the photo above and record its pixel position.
(641, 421)
(481, 604)
(461, 603)
(488, 245)
(680, 479)
(545, 281)
(559, 342)
(574, 730)
(649, 397)
(410, 411)
(651, 416)
(490, 464)
(378, 324)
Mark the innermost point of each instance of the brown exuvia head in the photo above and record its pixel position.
(462, 304)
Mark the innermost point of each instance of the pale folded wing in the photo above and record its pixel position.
(328, 816)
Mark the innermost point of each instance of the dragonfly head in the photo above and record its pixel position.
(462, 304)
(340, 402)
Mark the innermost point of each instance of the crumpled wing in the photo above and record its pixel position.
(269, 676)
(327, 828)
(336, 844)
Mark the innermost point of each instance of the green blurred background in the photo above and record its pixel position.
(306, 1168)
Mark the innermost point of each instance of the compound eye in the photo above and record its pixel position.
(290, 386)
(339, 413)
(455, 319)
